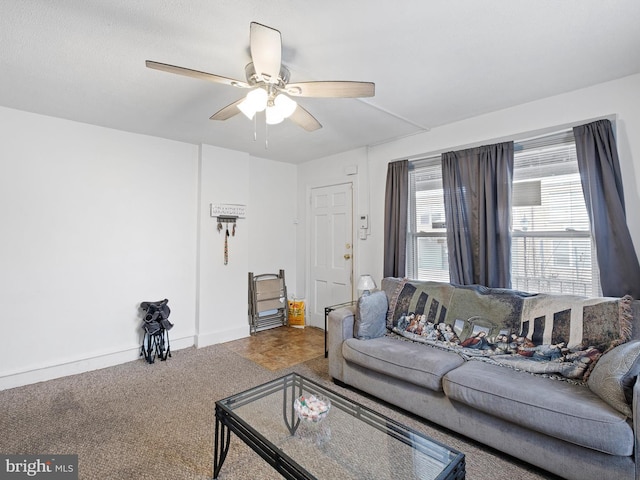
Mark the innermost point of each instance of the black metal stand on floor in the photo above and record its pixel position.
(327, 311)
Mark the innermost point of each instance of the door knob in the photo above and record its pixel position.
(347, 256)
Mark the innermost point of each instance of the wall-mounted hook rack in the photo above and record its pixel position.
(228, 210)
(226, 219)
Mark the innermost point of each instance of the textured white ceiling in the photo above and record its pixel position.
(433, 62)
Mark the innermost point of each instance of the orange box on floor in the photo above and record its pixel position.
(296, 312)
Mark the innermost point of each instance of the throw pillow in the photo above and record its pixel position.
(614, 375)
(371, 316)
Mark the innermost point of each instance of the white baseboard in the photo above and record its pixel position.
(80, 366)
(206, 339)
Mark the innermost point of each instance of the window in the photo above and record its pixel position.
(552, 249)
(427, 254)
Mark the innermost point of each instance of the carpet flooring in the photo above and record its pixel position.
(141, 421)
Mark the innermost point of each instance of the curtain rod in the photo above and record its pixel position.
(517, 137)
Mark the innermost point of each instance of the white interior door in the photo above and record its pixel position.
(331, 250)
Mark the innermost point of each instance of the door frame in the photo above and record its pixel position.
(354, 243)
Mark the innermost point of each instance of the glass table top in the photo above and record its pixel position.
(350, 442)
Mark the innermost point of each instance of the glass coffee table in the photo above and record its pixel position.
(351, 442)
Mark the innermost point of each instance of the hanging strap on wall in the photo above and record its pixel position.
(226, 246)
(227, 220)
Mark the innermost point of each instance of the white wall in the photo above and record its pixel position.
(94, 221)
(273, 226)
(222, 302)
(620, 97)
(263, 243)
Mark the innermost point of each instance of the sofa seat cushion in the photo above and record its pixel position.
(415, 363)
(566, 411)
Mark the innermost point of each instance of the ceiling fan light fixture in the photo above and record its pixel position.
(246, 109)
(255, 101)
(273, 116)
(285, 105)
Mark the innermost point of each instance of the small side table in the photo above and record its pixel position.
(328, 310)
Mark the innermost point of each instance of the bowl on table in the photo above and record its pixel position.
(311, 407)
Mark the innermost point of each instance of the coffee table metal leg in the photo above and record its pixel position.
(291, 420)
(220, 446)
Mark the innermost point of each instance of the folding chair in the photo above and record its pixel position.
(268, 306)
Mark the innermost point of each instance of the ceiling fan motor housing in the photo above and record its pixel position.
(254, 79)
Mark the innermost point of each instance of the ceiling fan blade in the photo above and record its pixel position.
(228, 111)
(331, 89)
(304, 119)
(266, 51)
(210, 77)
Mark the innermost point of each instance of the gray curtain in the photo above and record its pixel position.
(395, 219)
(603, 194)
(477, 185)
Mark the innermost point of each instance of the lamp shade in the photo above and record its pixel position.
(366, 284)
(255, 101)
(285, 105)
(274, 116)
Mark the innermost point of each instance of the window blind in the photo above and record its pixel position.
(552, 249)
(427, 254)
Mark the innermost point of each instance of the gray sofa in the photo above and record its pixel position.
(572, 412)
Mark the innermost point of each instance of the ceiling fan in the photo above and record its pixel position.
(268, 81)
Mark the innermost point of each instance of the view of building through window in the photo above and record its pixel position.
(552, 249)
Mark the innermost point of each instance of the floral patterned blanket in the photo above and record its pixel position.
(545, 334)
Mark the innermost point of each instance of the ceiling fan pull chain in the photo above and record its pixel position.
(255, 128)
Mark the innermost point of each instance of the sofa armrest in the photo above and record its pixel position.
(635, 408)
(339, 329)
